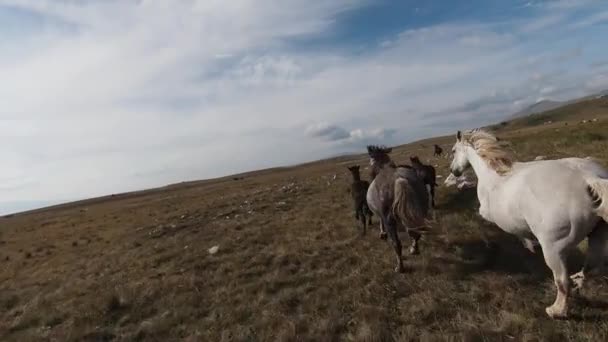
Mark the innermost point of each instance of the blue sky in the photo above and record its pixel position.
(108, 96)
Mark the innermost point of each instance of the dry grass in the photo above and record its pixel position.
(291, 264)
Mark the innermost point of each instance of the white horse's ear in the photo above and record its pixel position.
(459, 136)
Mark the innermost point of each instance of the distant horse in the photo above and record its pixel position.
(399, 198)
(560, 202)
(438, 151)
(428, 175)
(358, 192)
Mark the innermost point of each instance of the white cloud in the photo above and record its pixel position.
(568, 4)
(124, 95)
(543, 23)
(596, 18)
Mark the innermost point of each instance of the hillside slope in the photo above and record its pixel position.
(291, 263)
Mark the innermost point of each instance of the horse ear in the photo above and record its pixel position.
(459, 136)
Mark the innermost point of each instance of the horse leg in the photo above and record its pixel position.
(391, 228)
(555, 258)
(363, 221)
(415, 236)
(597, 241)
(432, 196)
(382, 230)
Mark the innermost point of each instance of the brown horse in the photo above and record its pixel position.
(358, 192)
(428, 175)
(399, 198)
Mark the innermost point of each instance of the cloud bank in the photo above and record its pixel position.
(102, 97)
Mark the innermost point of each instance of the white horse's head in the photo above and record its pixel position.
(460, 161)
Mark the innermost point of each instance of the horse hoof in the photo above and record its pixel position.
(555, 313)
(414, 251)
(383, 236)
(399, 269)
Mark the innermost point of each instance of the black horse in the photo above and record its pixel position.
(358, 192)
(438, 151)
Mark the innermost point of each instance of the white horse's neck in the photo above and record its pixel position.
(485, 174)
(487, 182)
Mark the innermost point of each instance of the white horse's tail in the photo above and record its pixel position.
(598, 190)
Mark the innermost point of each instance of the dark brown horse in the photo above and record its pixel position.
(358, 192)
(438, 151)
(399, 198)
(428, 175)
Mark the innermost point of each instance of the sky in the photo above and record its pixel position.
(107, 96)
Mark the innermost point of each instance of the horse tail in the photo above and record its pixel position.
(409, 207)
(598, 191)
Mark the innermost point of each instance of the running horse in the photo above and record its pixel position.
(558, 202)
(438, 151)
(399, 198)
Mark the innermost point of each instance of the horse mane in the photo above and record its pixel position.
(376, 150)
(490, 150)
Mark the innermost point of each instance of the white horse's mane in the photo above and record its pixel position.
(490, 150)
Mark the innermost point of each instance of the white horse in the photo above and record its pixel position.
(559, 202)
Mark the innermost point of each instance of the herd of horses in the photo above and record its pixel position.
(555, 203)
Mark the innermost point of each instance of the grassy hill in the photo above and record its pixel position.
(291, 265)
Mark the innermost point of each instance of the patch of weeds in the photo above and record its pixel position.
(54, 321)
(10, 302)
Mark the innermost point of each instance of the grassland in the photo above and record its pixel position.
(291, 264)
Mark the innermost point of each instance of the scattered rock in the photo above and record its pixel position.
(214, 250)
(161, 230)
(540, 158)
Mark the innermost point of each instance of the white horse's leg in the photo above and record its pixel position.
(556, 260)
(597, 241)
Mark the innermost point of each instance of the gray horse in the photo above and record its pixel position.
(398, 196)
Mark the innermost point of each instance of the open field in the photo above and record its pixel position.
(291, 264)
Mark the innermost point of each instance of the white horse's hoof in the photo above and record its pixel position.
(556, 313)
(414, 251)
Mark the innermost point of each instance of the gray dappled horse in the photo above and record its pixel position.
(398, 196)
